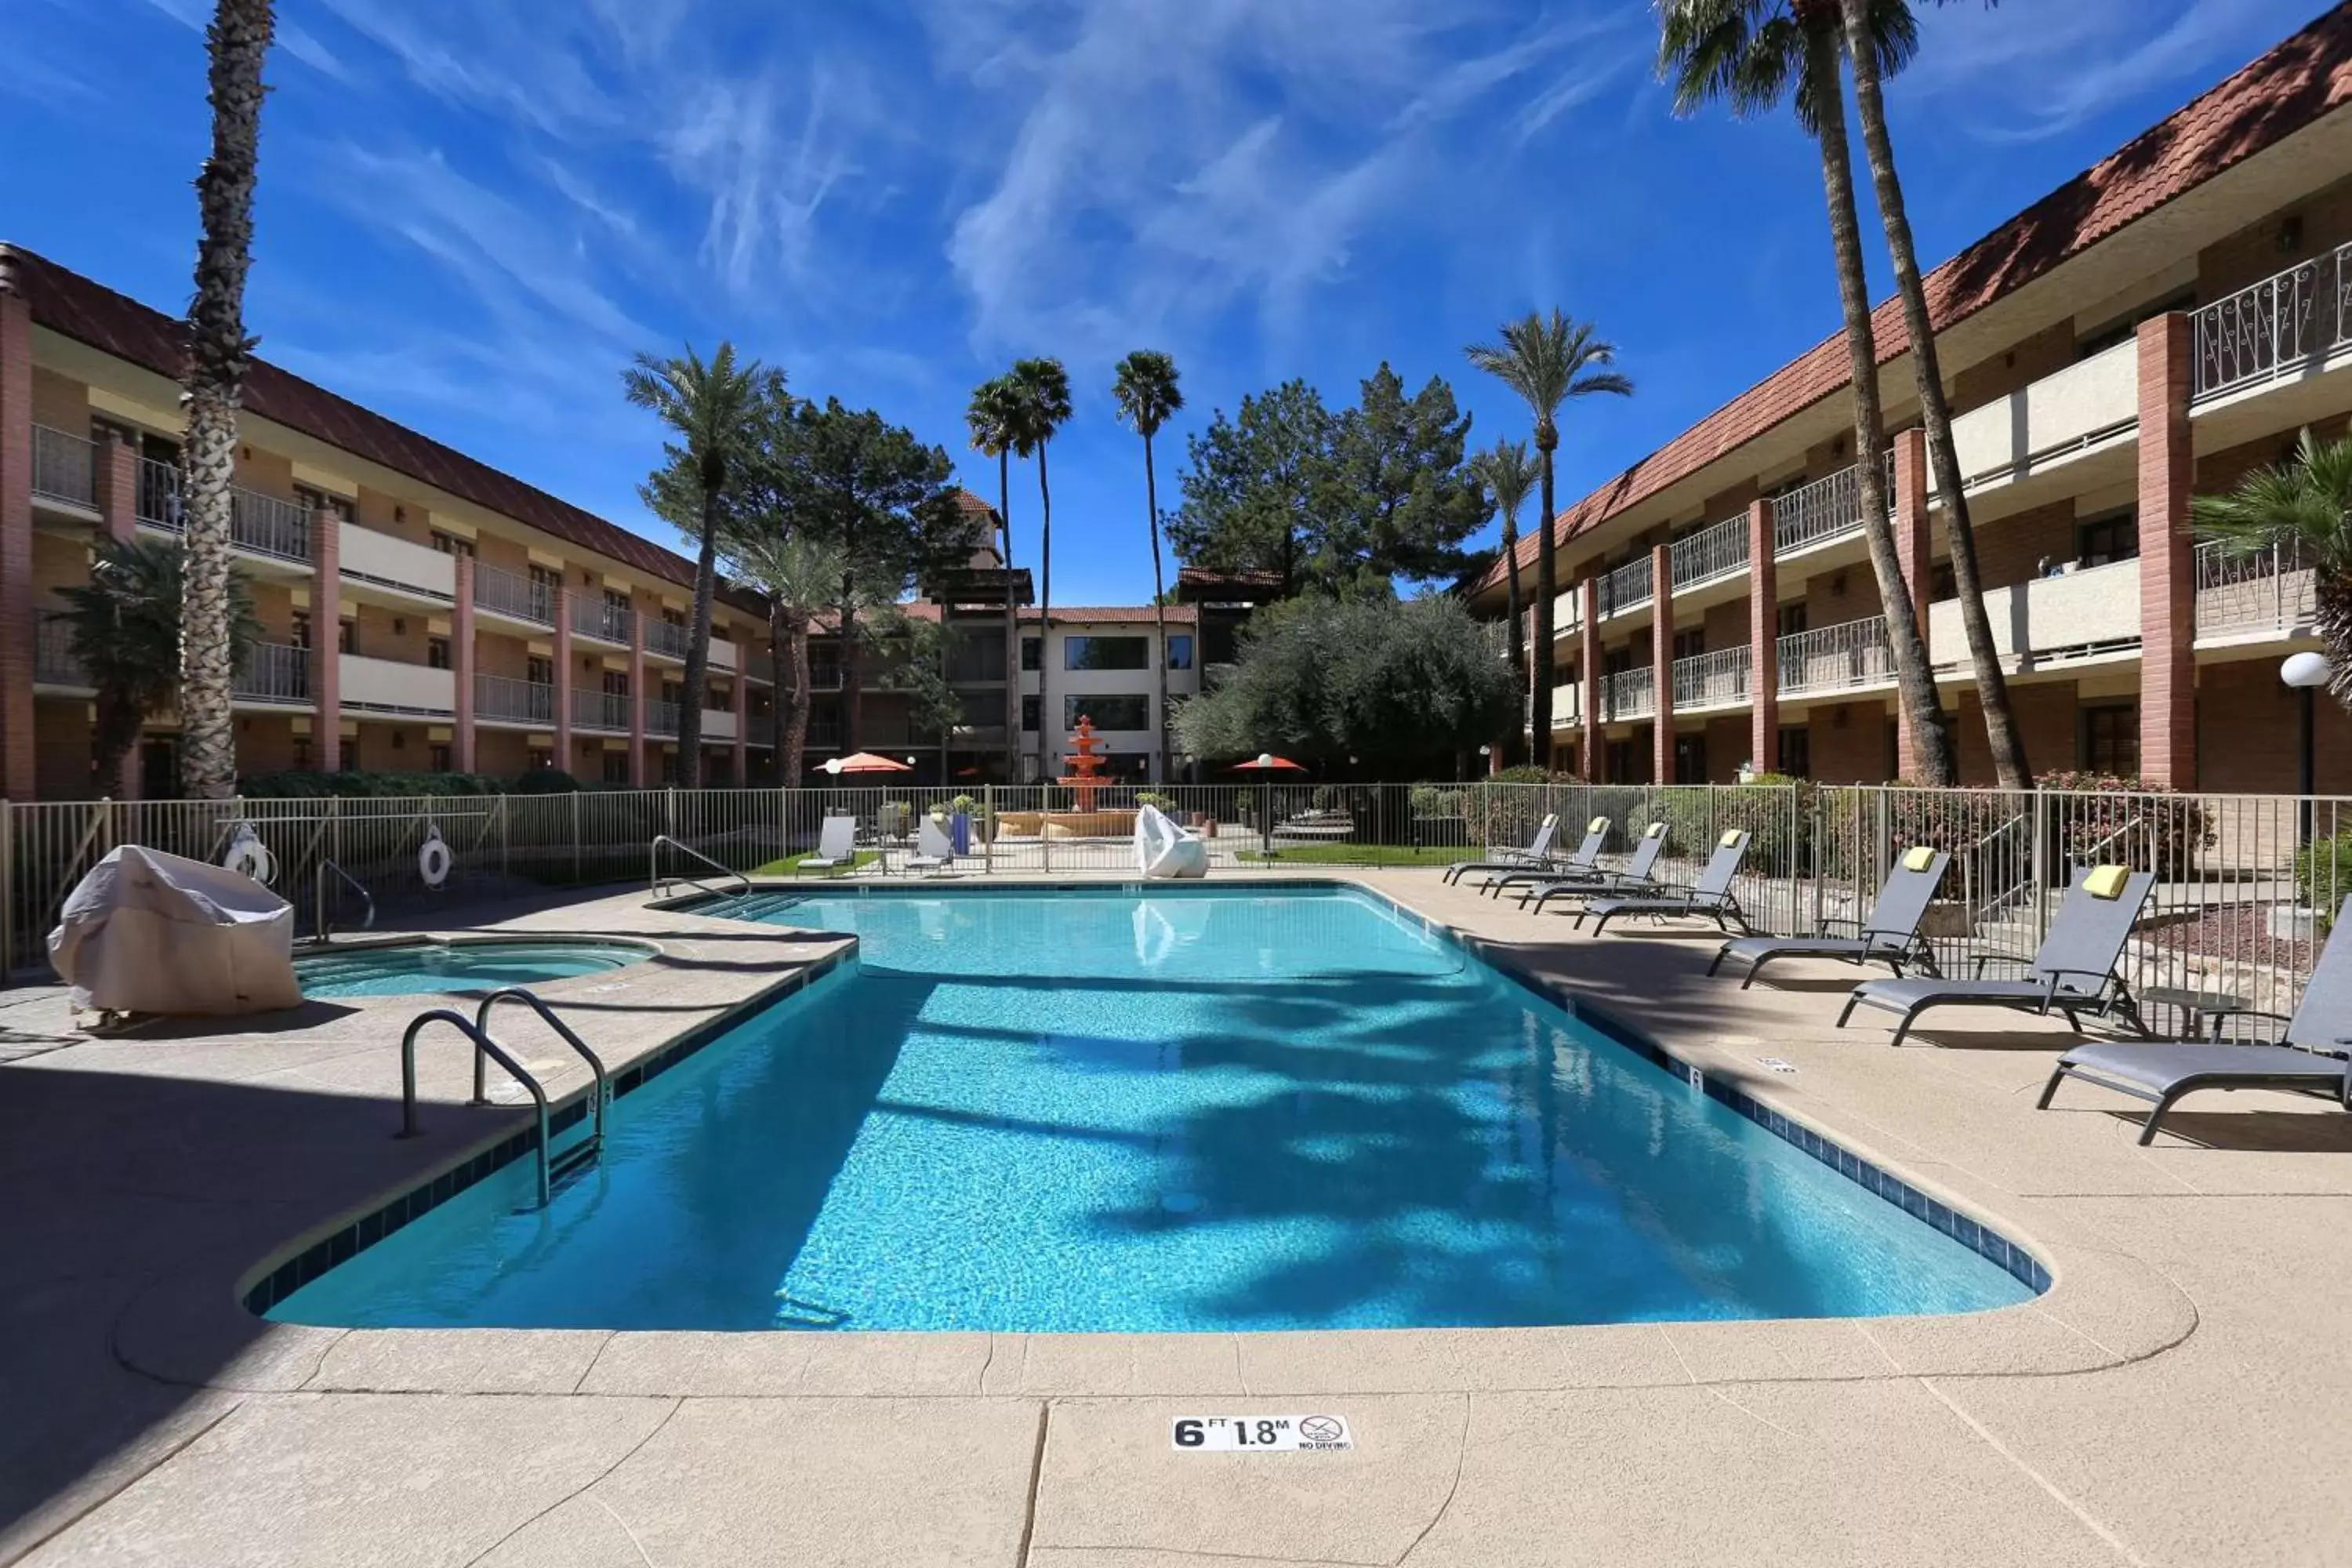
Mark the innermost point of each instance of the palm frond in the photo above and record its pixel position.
(2305, 504)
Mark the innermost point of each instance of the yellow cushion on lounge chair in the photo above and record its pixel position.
(1655, 830)
(2106, 881)
(1918, 860)
(1730, 837)
(1597, 824)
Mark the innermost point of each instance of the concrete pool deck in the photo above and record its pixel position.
(2183, 1393)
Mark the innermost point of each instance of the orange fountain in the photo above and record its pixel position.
(1084, 765)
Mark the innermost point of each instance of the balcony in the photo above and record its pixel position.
(661, 719)
(605, 711)
(409, 570)
(724, 654)
(1716, 551)
(54, 663)
(1568, 706)
(65, 467)
(1850, 657)
(389, 686)
(2047, 620)
(1718, 680)
(274, 673)
(259, 524)
(502, 699)
(1827, 508)
(667, 639)
(593, 619)
(2057, 417)
(718, 725)
(1629, 587)
(2284, 327)
(2262, 597)
(519, 598)
(1629, 694)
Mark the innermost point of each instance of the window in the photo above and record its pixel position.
(436, 652)
(1796, 750)
(1690, 644)
(539, 670)
(1180, 650)
(309, 499)
(616, 683)
(1690, 759)
(301, 628)
(451, 544)
(1792, 619)
(302, 753)
(540, 757)
(2111, 739)
(2099, 540)
(347, 637)
(437, 756)
(670, 767)
(1943, 581)
(1620, 764)
(1029, 707)
(616, 767)
(1109, 712)
(1106, 653)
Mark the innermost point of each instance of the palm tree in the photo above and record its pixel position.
(1753, 54)
(1547, 361)
(2302, 507)
(123, 627)
(219, 352)
(1881, 36)
(1508, 474)
(800, 577)
(714, 409)
(1147, 393)
(1043, 408)
(994, 417)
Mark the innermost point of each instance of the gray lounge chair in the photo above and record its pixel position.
(2162, 1073)
(1632, 876)
(1537, 853)
(1890, 936)
(1710, 895)
(837, 847)
(2073, 971)
(1582, 862)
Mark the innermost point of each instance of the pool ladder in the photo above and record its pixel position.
(552, 1167)
(656, 884)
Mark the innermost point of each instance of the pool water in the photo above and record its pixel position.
(1207, 1109)
(414, 968)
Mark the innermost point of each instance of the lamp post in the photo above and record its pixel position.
(2304, 673)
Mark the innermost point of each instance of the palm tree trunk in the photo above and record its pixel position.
(217, 349)
(792, 710)
(1546, 590)
(2009, 759)
(1914, 679)
(1515, 743)
(1044, 621)
(698, 641)
(1159, 608)
(1011, 623)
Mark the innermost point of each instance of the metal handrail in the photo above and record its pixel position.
(482, 1042)
(547, 1015)
(2133, 825)
(656, 881)
(322, 930)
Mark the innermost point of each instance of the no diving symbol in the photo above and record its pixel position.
(1321, 1428)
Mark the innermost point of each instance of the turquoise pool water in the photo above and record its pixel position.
(1204, 1110)
(422, 967)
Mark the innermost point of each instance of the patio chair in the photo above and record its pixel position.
(2308, 1058)
(2073, 971)
(1633, 876)
(1537, 853)
(1581, 863)
(837, 847)
(1710, 895)
(934, 851)
(1890, 936)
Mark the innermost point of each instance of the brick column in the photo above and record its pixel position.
(461, 665)
(2167, 477)
(16, 628)
(743, 714)
(638, 778)
(563, 758)
(118, 488)
(1763, 642)
(1662, 662)
(326, 641)
(1590, 592)
(1914, 547)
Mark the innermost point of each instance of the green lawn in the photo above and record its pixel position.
(790, 865)
(1362, 855)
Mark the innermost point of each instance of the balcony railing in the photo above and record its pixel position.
(1629, 694)
(1568, 706)
(661, 718)
(1628, 587)
(511, 594)
(668, 638)
(501, 699)
(1713, 679)
(1836, 659)
(262, 524)
(2075, 614)
(1719, 550)
(825, 674)
(600, 710)
(159, 494)
(1826, 508)
(2286, 323)
(2271, 593)
(592, 617)
(65, 467)
(54, 663)
(274, 672)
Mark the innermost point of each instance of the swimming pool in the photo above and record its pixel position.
(1098, 1110)
(414, 968)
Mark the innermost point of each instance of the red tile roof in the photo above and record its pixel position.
(1078, 613)
(2293, 86)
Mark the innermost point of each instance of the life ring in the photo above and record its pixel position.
(433, 859)
(248, 854)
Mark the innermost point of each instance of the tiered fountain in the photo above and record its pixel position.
(1084, 780)
(1081, 780)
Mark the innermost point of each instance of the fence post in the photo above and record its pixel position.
(1045, 810)
(987, 828)
(2041, 871)
(506, 834)
(575, 837)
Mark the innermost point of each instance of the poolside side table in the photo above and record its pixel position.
(2195, 1005)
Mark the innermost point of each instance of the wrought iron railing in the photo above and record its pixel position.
(2271, 592)
(593, 617)
(503, 698)
(666, 638)
(2285, 324)
(661, 718)
(1627, 587)
(64, 466)
(262, 524)
(512, 594)
(274, 672)
(159, 494)
(1835, 658)
(1713, 679)
(1629, 694)
(1719, 550)
(1826, 508)
(600, 710)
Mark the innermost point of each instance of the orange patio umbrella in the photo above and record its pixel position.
(861, 762)
(1268, 762)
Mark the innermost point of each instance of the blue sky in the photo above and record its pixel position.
(473, 211)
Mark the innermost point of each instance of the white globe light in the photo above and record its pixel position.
(833, 765)
(2305, 669)
(1265, 759)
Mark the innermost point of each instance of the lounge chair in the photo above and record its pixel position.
(1581, 864)
(1537, 853)
(2073, 971)
(1891, 935)
(1634, 875)
(1710, 895)
(2163, 1073)
(837, 847)
(934, 851)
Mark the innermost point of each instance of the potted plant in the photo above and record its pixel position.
(960, 823)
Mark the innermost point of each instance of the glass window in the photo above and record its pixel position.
(1180, 650)
(1793, 619)
(451, 544)
(1106, 653)
(2099, 540)
(437, 756)
(347, 637)
(1029, 707)
(1690, 644)
(1121, 711)
(436, 652)
(2111, 739)
(301, 628)
(1796, 750)
(539, 670)
(1031, 655)
(616, 767)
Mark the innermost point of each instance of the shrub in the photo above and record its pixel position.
(1431, 801)
(2103, 820)
(2323, 875)
(546, 780)
(302, 783)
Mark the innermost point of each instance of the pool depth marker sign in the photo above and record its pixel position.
(1261, 1434)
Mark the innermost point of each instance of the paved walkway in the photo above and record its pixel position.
(2179, 1396)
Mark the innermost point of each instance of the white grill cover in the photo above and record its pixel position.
(151, 932)
(1164, 849)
